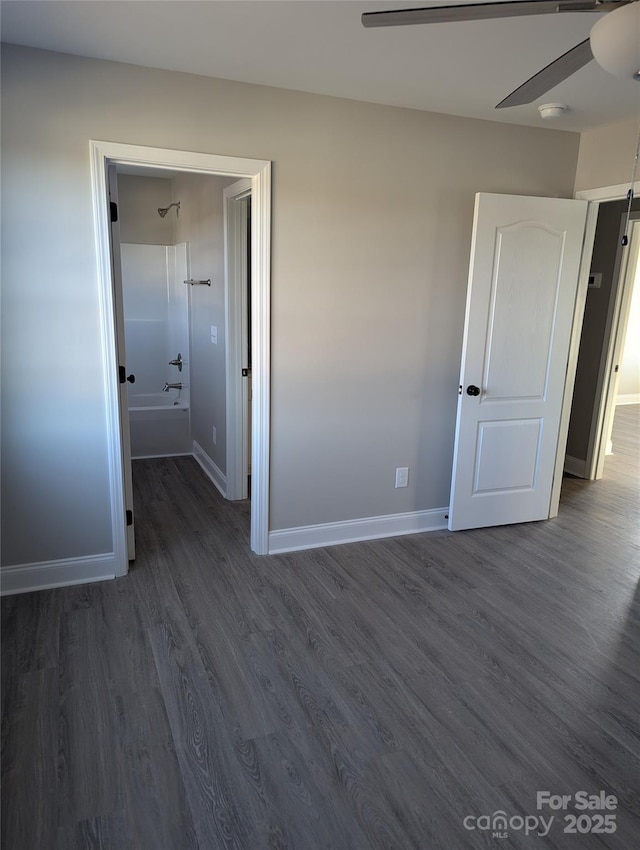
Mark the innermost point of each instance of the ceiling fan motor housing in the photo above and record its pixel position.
(615, 41)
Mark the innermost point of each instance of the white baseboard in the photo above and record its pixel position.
(45, 575)
(153, 457)
(211, 470)
(628, 398)
(575, 466)
(352, 531)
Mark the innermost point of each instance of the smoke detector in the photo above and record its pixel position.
(552, 110)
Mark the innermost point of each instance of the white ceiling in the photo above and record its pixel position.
(321, 46)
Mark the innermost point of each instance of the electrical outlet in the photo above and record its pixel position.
(214, 334)
(402, 476)
(214, 434)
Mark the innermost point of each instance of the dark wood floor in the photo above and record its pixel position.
(365, 696)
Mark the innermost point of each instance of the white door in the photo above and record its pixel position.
(124, 377)
(523, 281)
(237, 282)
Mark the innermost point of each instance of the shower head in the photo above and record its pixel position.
(162, 211)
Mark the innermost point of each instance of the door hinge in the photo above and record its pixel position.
(129, 517)
(113, 211)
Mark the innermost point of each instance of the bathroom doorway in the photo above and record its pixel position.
(207, 291)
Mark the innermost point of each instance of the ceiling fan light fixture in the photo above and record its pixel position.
(615, 41)
(552, 110)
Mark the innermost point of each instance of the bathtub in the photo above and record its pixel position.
(158, 426)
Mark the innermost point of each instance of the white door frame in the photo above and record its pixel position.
(595, 198)
(259, 172)
(123, 393)
(235, 282)
(623, 275)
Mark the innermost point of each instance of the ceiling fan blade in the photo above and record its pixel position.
(475, 12)
(557, 71)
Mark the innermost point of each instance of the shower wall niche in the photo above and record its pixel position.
(156, 314)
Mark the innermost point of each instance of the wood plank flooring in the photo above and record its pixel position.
(363, 696)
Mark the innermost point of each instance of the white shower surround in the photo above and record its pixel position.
(156, 401)
(156, 315)
(162, 430)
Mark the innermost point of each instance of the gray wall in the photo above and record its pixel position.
(139, 199)
(372, 212)
(606, 155)
(201, 225)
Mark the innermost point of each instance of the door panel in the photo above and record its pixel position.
(523, 281)
(507, 455)
(524, 299)
(118, 305)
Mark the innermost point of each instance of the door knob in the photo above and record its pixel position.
(473, 390)
(131, 379)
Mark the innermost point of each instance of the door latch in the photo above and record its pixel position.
(122, 373)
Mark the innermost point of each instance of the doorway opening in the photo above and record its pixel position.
(152, 161)
(612, 274)
(621, 425)
(574, 296)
